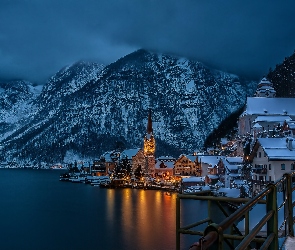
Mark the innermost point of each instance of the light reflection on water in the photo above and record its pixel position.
(44, 213)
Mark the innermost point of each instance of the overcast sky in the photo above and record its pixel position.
(39, 37)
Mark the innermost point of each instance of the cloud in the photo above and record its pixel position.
(37, 38)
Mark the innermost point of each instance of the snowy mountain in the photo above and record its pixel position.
(67, 81)
(16, 105)
(87, 109)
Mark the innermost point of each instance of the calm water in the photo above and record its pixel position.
(39, 212)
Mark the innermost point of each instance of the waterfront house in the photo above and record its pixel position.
(164, 166)
(187, 165)
(164, 169)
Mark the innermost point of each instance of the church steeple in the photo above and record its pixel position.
(265, 89)
(149, 143)
(149, 128)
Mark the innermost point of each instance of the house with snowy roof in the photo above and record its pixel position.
(187, 165)
(192, 181)
(271, 158)
(164, 168)
(211, 164)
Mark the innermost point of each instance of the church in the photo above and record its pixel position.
(143, 158)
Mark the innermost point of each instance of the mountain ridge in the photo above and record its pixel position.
(109, 108)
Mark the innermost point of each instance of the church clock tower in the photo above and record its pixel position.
(149, 148)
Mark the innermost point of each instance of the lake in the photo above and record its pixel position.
(40, 212)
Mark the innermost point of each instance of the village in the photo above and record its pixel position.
(261, 153)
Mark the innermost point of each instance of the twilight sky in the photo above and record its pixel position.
(39, 37)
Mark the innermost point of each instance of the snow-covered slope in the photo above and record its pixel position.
(109, 109)
(16, 105)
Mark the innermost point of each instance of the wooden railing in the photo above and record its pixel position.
(216, 235)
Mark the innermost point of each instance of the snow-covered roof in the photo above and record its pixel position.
(264, 105)
(193, 179)
(213, 176)
(232, 167)
(273, 143)
(265, 88)
(210, 159)
(192, 157)
(276, 148)
(166, 158)
(272, 118)
(264, 81)
(234, 160)
(280, 154)
(129, 153)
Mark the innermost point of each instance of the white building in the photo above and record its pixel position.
(272, 157)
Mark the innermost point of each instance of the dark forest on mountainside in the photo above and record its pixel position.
(283, 77)
(227, 128)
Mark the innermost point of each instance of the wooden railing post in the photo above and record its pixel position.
(289, 205)
(272, 225)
